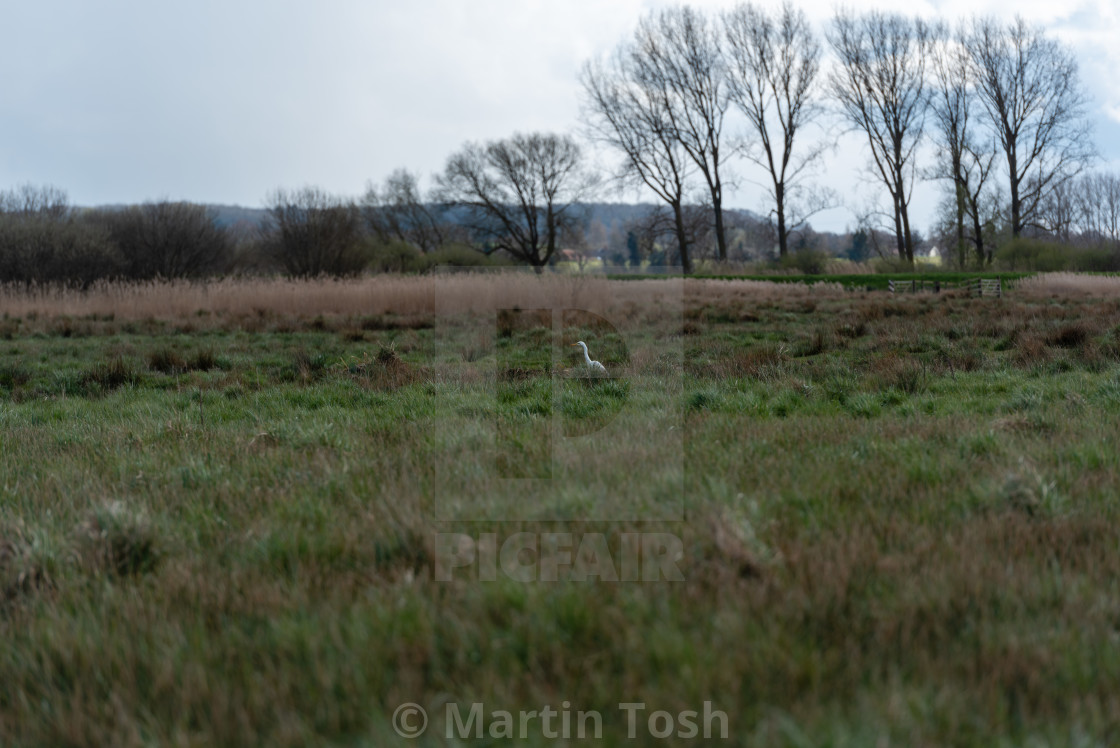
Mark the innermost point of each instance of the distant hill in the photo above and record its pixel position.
(233, 215)
(618, 214)
(225, 215)
(611, 215)
(612, 219)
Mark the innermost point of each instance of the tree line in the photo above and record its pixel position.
(45, 240)
(1000, 103)
(993, 110)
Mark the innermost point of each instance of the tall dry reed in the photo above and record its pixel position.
(405, 295)
(1070, 284)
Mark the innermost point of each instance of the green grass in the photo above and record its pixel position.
(897, 516)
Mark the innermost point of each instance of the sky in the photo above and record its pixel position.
(224, 101)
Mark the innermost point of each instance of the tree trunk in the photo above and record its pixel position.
(899, 238)
(1016, 205)
(979, 230)
(682, 238)
(962, 250)
(783, 235)
(908, 236)
(961, 191)
(551, 229)
(721, 237)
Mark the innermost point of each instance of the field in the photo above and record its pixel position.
(259, 513)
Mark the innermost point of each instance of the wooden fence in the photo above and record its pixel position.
(976, 287)
(986, 287)
(913, 286)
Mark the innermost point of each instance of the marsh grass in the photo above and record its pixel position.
(898, 516)
(109, 375)
(118, 540)
(14, 375)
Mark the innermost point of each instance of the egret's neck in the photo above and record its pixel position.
(585, 356)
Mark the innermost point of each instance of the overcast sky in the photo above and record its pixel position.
(221, 101)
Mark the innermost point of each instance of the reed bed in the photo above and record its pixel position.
(386, 294)
(231, 296)
(1070, 284)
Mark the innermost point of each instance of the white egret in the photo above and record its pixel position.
(594, 365)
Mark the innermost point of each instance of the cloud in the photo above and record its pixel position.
(217, 101)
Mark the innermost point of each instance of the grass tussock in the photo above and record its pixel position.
(307, 366)
(109, 375)
(27, 563)
(730, 545)
(903, 373)
(118, 539)
(166, 361)
(14, 375)
(1026, 490)
(384, 369)
(1071, 335)
(203, 359)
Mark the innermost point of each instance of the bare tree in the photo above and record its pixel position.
(774, 61)
(1031, 91)
(168, 240)
(310, 233)
(965, 160)
(29, 199)
(624, 112)
(1098, 207)
(880, 84)
(43, 241)
(518, 194)
(398, 211)
(678, 54)
(37, 248)
(655, 233)
(949, 105)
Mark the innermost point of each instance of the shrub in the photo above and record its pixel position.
(1048, 257)
(462, 255)
(310, 233)
(807, 261)
(1033, 254)
(891, 265)
(168, 240)
(43, 248)
(396, 257)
